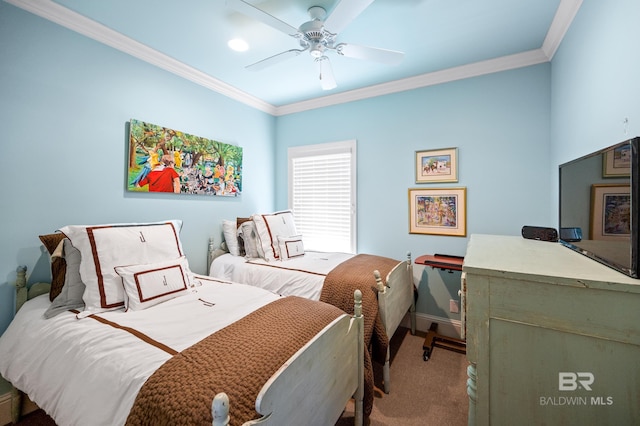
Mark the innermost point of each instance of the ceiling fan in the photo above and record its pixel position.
(318, 36)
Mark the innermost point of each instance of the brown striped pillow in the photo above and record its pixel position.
(58, 264)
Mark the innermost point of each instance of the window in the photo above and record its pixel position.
(322, 195)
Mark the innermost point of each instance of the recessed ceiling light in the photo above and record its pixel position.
(238, 45)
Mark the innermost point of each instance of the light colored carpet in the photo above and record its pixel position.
(422, 393)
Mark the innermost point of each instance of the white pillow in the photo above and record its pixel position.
(271, 226)
(103, 247)
(152, 283)
(230, 229)
(290, 247)
(247, 231)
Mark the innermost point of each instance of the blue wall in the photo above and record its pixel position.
(595, 80)
(500, 125)
(65, 101)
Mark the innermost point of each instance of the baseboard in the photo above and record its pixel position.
(446, 326)
(28, 406)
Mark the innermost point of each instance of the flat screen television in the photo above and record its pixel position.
(599, 210)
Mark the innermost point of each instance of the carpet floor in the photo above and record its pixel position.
(422, 393)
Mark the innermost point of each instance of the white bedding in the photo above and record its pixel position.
(86, 385)
(301, 276)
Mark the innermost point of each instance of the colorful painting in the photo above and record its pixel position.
(439, 165)
(440, 211)
(167, 160)
(610, 212)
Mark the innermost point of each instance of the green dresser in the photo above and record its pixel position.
(553, 337)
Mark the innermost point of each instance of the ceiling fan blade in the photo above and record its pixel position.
(385, 56)
(345, 12)
(262, 16)
(272, 60)
(327, 80)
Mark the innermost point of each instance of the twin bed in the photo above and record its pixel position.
(129, 335)
(274, 258)
(212, 352)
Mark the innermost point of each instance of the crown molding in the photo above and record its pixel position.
(504, 63)
(74, 21)
(567, 10)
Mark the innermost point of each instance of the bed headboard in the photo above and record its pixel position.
(22, 292)
(213, 252)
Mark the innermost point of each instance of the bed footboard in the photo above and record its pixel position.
(301, 391)
(395, 299)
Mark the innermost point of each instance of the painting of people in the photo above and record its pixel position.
(438, 211)
(165, 160)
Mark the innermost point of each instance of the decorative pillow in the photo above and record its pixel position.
(230, 229)
(70, 296)
(247, 232)
(58, 264)
(239, 222)
(269, 227)
(103, 247)
(149, 284)
(290, 247)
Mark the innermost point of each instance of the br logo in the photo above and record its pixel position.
(568, 381)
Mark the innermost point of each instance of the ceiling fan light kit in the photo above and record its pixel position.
(318, 37)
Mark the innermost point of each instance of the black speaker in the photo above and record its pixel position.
(539, 233)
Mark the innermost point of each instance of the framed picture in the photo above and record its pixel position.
(610, 212)
(617, 162)
(166, 160)
(438, 211)
(440, 165)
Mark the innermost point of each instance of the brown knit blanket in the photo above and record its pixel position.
(237, 360)
(338, 288)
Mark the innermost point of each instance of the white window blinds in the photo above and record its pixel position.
(322, 195)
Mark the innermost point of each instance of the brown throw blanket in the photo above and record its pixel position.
(237, 360)
(338, 288)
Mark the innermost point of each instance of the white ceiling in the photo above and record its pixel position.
(443, 40)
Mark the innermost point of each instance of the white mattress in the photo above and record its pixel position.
(301, 276)
(84, 372)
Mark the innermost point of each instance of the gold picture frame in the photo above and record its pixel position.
(437, 165)
(610, 212)
(438, 211)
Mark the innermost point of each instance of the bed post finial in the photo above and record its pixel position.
(220, 409)
(359, 395)
(21, 286)
(357, 303)
(210, 253)
(381, 287)
(21, 279)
